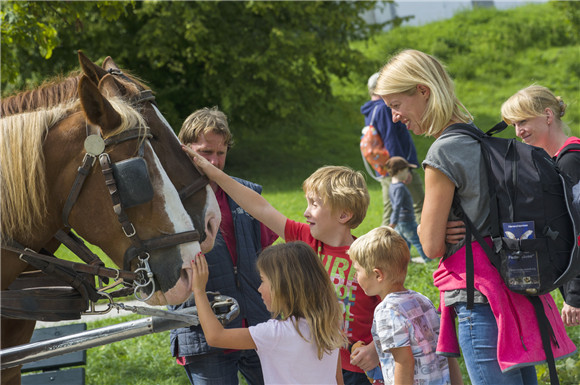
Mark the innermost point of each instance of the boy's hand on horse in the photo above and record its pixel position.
(200, 162)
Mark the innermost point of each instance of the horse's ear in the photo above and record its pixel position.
(97, 108)
(109, 64)
(111, 87)
(90, 69)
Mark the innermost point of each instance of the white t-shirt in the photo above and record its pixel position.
(287, 358)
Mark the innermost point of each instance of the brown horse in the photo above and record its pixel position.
(42, 144)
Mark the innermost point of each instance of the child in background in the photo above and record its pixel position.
(405, 324)
(403, 216)
(337, 200)
(300, 344)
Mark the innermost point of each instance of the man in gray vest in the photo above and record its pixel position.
(232, 266)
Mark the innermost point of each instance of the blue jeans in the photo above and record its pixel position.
(222, 369)
(408, 231)
(477, 331)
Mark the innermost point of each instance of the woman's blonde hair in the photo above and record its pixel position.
(341, 188)
(301, 288)
(410, 68)
(382, 248)
(531, 102)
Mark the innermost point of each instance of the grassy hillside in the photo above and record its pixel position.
(491, 54)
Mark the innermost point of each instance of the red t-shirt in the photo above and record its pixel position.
(358, 308)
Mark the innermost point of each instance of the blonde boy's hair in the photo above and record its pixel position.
(204, 121)
(342, 188)
(531, 102)
(382, 248)
(301, 288)
(410, 68)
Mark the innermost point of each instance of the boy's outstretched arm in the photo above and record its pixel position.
(215, 334)
(248, 199)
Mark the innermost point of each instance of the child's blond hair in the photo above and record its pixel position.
(301, 288)
(342, 188)
(382, 248)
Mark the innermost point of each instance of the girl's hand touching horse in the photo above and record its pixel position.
(200, 274)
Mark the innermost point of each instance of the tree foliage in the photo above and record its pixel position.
(259, 61)
(31, 31)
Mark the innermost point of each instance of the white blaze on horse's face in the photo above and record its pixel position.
(166, 262)
(212, 211)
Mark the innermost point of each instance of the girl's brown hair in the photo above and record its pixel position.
(301, 288)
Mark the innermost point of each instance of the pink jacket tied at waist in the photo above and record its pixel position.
(519, 341)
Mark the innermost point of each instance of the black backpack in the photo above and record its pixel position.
(535, 222)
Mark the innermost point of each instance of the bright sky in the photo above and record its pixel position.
(427, 11)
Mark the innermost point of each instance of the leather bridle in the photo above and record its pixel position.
(142, 277)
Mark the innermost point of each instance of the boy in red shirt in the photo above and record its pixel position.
(338, 200)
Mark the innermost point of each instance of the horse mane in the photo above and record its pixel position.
(50, 94)
(25, 122)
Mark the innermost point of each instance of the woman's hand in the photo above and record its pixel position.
(570, 315)
(455, 232)
(200, 274)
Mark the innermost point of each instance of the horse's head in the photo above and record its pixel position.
(196, 196)
(128, 205)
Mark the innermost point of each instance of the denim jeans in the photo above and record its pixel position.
(477, 330)
(222, 369)
(416, 190)
(408, 231)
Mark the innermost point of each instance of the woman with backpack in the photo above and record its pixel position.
(499, 336)
(536, 114)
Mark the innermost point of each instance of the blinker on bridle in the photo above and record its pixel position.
(129, 185)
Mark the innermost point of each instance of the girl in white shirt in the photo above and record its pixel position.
(300, 344)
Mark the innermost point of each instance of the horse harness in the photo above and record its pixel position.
(129, 185)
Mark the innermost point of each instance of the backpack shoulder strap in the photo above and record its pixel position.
(466, 129)
(497, 128)
(373, 116)
(570, 147)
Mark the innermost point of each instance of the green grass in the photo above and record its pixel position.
(147, 360)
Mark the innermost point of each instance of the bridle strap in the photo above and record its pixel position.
(160, 243)
(78, 247)
(82, 173)
(31, 257)
(122, 217)
(188, 191)
(124, 136)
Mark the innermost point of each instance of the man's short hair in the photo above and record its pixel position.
(342, 188)
(382, 248)
(204, 121)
